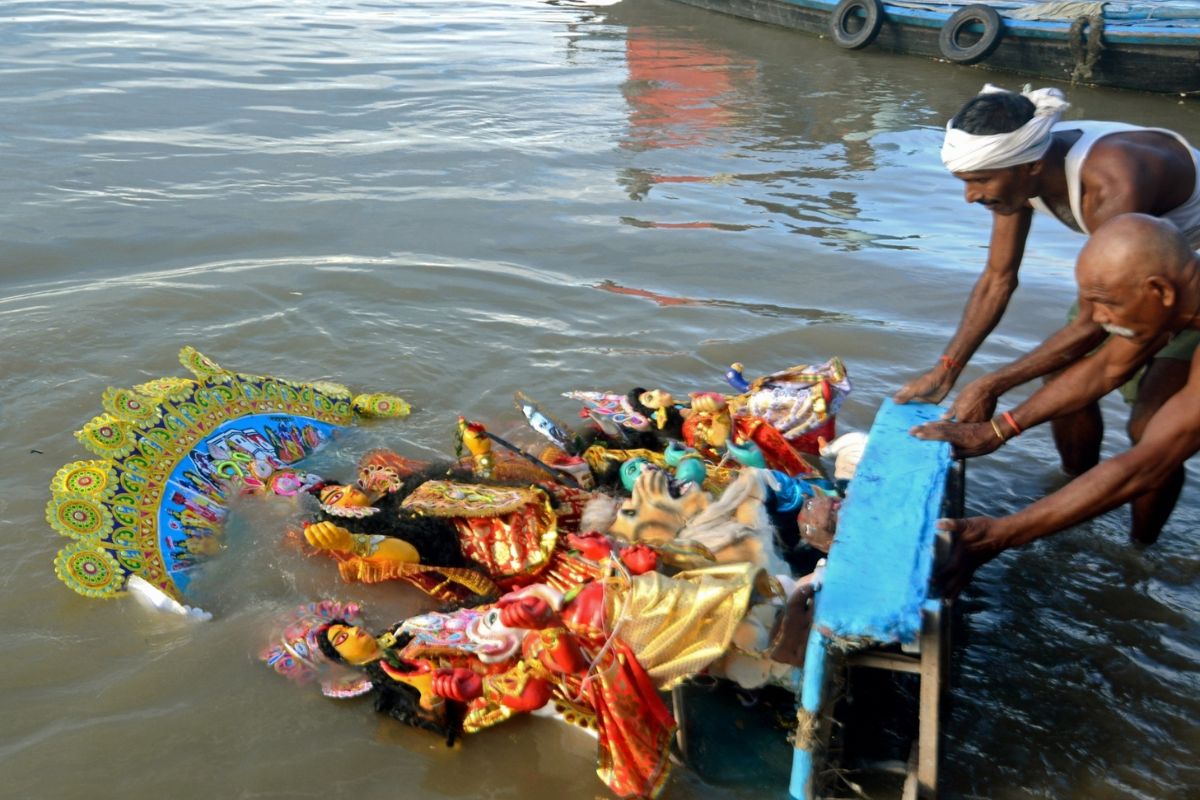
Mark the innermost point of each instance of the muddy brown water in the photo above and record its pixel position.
(455, 202)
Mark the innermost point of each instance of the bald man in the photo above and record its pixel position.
(1141, 280)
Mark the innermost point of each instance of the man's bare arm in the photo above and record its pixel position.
(1170, 438)
(977, 400)
(1087, 380)
(1082, 383)
(985, 306)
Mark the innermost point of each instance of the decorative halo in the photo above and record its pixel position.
(334, 390)
(107, 436)
(79, 516)
(202, 366)
(169, 388)
(91, 478)
(173, 451)
(128, 405)
(89, 570)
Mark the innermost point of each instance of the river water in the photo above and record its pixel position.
(456, 202)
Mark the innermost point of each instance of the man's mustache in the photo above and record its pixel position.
(1117, 330)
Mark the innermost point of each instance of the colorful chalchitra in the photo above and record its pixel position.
(170, 452)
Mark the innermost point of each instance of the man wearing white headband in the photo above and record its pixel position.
(1015, 157)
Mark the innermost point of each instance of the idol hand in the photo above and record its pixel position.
(328, 536)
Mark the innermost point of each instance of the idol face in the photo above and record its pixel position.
(494, 640)
(631, 469)
(344, 497)
(353, 644)
(656, 398)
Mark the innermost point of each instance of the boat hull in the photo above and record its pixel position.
(1131, 58)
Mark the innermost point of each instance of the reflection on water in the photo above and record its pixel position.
(689, 91)
(681, 93)
(456, 203)
(805, 315)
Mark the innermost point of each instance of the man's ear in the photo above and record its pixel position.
(1163, 289)
(1035, 167)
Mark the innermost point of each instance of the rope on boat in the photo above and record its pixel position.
(1086, 54)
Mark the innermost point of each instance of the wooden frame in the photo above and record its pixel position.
(868, 637)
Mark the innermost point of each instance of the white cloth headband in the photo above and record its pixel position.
(967, 152)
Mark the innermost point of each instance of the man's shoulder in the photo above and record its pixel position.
(1094, 128)
(1136, 144)
(1131, 153)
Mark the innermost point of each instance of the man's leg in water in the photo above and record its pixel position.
(1164, 377)
(1077, 437)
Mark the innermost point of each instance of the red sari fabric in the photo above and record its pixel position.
(634, 724)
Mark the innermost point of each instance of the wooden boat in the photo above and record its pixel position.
(1153, 47)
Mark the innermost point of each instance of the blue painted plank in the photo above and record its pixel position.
(880, 564)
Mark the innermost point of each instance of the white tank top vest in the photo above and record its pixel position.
(1186, 217)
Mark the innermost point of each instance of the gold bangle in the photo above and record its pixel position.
(996, 428)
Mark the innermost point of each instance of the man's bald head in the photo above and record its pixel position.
(1141, 276)
(1132, 247)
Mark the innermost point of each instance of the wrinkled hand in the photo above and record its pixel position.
(932, 387)
(976, 402)
(529, 611)
(797, 622)
(972, 545)
(970, 439)
(328, 536)
(458, 684)
(639, 559)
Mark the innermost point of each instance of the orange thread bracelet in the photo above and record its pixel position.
(1008, 417)
(949, 363)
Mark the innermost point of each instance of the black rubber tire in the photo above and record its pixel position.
(993, 31)
(841, 34)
